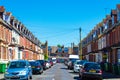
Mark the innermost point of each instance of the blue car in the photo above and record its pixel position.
(36, 66)
(18, 70)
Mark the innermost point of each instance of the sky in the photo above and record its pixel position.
(58, 21)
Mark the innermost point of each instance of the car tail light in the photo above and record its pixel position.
(38, 66)
(83, 70)
(99, 71)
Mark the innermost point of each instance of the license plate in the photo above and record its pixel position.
(14, 77)
(93, 71)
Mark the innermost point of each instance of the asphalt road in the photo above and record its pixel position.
(60, 72)
(57, 72)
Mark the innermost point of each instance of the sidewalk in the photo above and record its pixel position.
(110, 76)
(1, 76)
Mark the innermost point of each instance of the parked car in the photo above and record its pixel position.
(71, 63)
(48, 64)
(36, 66)
(60, 60)
(66, 62)
(90, 70)
(51, 62)
(43, 63)
(18, 70)
(54, 61)
(77, 65)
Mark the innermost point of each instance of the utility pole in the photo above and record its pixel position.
(71, 48)
(80, 45)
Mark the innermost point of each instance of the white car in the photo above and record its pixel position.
(77, 65)
(47, 64)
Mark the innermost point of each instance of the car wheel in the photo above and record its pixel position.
(100, 78)
(30, 77)
(40, 72)
(79, 75)
(83, 78)
(68, 67)
(74, 71)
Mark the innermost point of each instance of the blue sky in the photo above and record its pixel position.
(58, 21)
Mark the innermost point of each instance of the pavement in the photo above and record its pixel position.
(1, 76)
(110, 76)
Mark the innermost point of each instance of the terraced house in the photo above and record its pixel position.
(16, 41)
(102, 44)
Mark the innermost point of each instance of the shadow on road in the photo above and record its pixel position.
(64, 68)
(73, 72)
(77, 78)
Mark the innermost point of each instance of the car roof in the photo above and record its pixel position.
(18, 60)
(91, 63)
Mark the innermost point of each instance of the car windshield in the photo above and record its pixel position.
(34, 63)
(42, 61)
(81, 62)
(17, 65)
(73, 59)
(92, 65)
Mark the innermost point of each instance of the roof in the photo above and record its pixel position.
(108, 17)
(118, 6)
(12, 17)
(2, 9)
(113, 12)
(8, 13)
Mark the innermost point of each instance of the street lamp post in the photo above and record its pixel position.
(80, 44)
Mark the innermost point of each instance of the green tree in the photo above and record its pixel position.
(59, 45)
(45, 56)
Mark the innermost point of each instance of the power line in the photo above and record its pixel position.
(59, 34)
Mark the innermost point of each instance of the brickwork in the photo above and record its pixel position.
(105, 38)
(16, 41)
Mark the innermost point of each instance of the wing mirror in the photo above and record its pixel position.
(80, 66)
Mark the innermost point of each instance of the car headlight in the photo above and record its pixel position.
(23, 72)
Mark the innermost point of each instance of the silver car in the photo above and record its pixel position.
(78, 64)
(18, 70)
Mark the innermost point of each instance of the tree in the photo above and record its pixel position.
(59, 45)
(45, 56)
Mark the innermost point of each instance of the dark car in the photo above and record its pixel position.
(36, 67)
(43, 63)
(90, 70)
